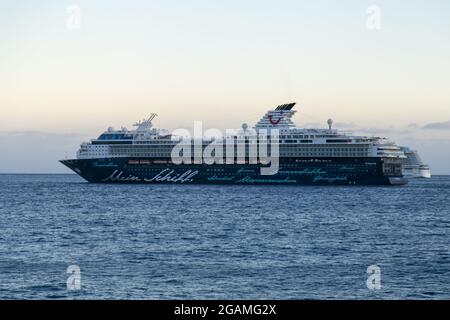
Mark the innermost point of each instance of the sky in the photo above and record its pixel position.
(70, 69)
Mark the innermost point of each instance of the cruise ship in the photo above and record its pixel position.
(413, 166)
(303, 156)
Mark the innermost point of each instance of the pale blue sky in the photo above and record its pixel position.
(222, 62)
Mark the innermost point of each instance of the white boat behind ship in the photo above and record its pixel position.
(413, 166)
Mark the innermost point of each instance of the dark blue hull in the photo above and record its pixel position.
(292, 171)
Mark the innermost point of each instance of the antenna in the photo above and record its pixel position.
(152, 116)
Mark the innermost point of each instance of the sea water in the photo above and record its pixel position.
(222, 242)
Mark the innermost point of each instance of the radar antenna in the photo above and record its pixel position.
(330, 123)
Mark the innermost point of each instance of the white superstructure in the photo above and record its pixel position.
(146, 141)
